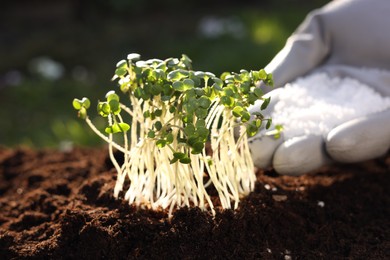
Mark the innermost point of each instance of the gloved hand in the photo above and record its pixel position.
(330, 40)
(360, 139)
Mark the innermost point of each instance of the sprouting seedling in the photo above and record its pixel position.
(174, 112)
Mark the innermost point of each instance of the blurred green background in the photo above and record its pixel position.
(54, 51)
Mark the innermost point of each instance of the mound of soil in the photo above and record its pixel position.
(58, 205)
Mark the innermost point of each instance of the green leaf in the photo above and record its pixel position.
(192, 140)
(203, 132)
(265, 103)
(155, 89)
(179, 155)
(258, 123)
(114, 106)
(151, 134)
(120, 71)
(262, 74)
(177, 75)
(124, 127)
(188, 118)
(245, 116)
(189, 130)
(227, 101)
(158, 125)
(77, 104)
(185, 160)
(178, 86)
(258, 115)
(188, 84)
(173, 160)
(172, 109)
(237, 111)
(218, 82)
(198, 146)
(133, 56)
(117, 128)
(103, 109)
(183, 85)
(269, 123)
(186, 61)
(172, 62)
(251, 130)
(121, 64)
(161, 143)
(112, 96)
(201, 112)
(200, 123)
(258, 92)
(204, 102)
(146, 114)
(200, 92)
(158, 112)
(169, 138)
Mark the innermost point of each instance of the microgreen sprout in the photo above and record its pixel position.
(174, 112)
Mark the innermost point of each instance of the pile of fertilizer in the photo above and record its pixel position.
(317, 103)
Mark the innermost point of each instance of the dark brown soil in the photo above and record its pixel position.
(56, 205)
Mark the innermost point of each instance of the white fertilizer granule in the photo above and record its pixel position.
(317, 103)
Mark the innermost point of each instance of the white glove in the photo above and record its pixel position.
(339, 39)
(355, 140)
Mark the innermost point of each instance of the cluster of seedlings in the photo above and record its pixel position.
(171, 112)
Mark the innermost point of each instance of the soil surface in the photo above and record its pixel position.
(59, 205)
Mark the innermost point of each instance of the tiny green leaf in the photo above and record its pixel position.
(121, 64)
(265, 103)
(185, 160)
(151, 134)
(112, 96)
(189, 129)
(173, 160)
(258, 92)
(237, 111)
(77, 104)
(169, 138)
(262, 74)
(120, 71)
(133, 56)
(198, 146)
(203, 132)
(146, 114)
(204, 102)
(177, 75)
(179, 155)
(172, 109)
(161, 143)
(201, 112)
(245, 116)
(269, 123)
(114, 106)
(117, 128)
(258, 122)
(227, 101)
(103, 109)
(251, 130)
(188, 84)
(158, 125)
(158, 112)
(200, 123)
(178, 86)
